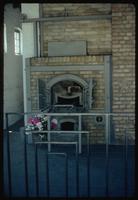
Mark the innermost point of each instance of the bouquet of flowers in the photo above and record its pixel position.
(39, 122)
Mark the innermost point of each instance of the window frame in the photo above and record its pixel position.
(17, 41)
(5, 38)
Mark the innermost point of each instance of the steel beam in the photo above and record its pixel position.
(69, 18)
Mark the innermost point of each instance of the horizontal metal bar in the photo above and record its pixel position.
(56, 153)
(68, 105)
(54, 142)
(68, 18)
(73, 114)
(57, 142)
(66, 68)
(56, 131)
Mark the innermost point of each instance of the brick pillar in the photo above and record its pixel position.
(123, 51)
(123, 58)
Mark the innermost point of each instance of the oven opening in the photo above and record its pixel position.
(71, 101)
(67, 126)
(67, 93)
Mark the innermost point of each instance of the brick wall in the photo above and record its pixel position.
(50, 10)
(116, 36)
(67, 60)
(96, 132)
(97, 33)
(123, 63)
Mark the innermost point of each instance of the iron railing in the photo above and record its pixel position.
(78, 146)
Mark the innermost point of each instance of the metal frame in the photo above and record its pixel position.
(36, 171)
(69, 18)
(108, 88)
(107, 153)
(38, 39)
(73, 114)
(85, 83)
(126, 156)
(80, 128)
(49, 132)
(108, 83)
(66, 67)
(28, 84)
(49, 136)
(38, 107)
(35, 39)
(40, 30)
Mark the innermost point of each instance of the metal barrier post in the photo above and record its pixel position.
(36, 170)
(88, 164)
(66, 171)
(107, 152)
(80, 133)
(26, 169)
(77, 171)
(47, 170)
(126, 157)
(49, 136)
(8, 156)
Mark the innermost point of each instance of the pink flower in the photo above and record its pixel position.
(30, 120)
(54, 123)
(33, 120)
(39, 122)
(39, 125)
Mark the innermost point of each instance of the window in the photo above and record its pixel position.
(5, 39)
(17, 42)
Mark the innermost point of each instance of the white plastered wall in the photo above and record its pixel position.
(31, 11)
(13, 81)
